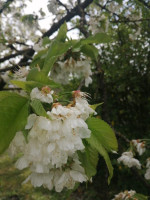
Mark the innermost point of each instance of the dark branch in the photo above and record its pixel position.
(75, 11)
(12, 89)
(14, 55)
(20, 64)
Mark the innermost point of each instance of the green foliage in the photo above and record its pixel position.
(103, 132)
(97, 38)
(27, 85)
(38, 108)
(94, 106)
(46, 41)
(93, 141)
(29, 19)
(140, 197)
(62, 33)
(55, 50)
(102, 139)
(89, 159)
(13, 116)
(41, 78)
(90, 51)
(38, 59)
(35, 79)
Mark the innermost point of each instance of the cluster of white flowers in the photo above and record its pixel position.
(53, 6)
(6, 77)
(2, 47)
(45, 95)
(98, 23)
(21, 74)
(140, 146)
(147, 174)
(125, 195)
(52, 144)
(128, 160)
(38, 46)
(63, 72)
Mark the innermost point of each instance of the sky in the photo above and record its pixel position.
(36, 5)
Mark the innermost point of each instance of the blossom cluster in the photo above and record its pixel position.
(50, 149)
(63, 71)
(128, 160)
(20, 75)
(125, 195)
(147, 174)
(140, 146)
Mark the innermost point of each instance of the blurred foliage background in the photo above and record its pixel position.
(121, 81)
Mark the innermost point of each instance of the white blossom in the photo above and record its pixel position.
(82, 105)
(140, 146)
(125, 195)
(52, 144)
(128, 160)
(38, 46)
(6, 77)
(147, 174)
(45, 95)
(21, 74)
(59, 178)
(17, 145)
(53, 6)
(64, 71)
(148, 163)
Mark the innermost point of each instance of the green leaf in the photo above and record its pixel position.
(29, 85)
(40, 77)
(13, 116)
(56, 49)
(103, 133)
(62, 33)
(46, 41)
(90, 51)
(98, 38)
(97, 145)
(94, 106)
(89, 159)
(39, 58)
(38, 108)
(140, 196)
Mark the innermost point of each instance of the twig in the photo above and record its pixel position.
(12, 88)
(61, 4)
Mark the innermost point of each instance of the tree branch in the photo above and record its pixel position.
(20, 64)
(14, 55)
(75, 11)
